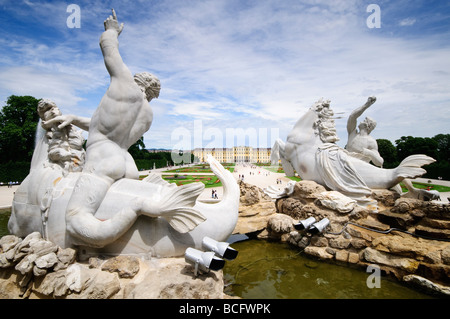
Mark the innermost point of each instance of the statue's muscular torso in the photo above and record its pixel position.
(121, 118)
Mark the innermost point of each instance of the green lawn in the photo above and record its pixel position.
(438, 188)
(273, 168)
(208, 180)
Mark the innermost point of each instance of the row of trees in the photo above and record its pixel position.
(437, 147)
(19, 118)
(145, 160)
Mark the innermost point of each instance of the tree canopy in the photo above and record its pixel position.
(388, 152)
(408, 145)
(18, 121)
(437, 147)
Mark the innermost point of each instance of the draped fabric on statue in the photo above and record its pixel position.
(40, 153)
(338, 173)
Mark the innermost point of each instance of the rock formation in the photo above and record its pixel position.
(407, 238)
(35, 268)
(255, 209)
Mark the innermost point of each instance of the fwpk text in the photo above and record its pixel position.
(258, 308)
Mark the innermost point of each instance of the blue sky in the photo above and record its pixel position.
(232, 68)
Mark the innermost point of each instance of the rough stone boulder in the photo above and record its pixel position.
(34, 268)
(255, 209)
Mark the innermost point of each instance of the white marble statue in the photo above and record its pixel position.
(95, 200)
(363, 146)
(360, 144)
(310, 150)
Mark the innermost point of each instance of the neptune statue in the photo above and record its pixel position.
(93, 199)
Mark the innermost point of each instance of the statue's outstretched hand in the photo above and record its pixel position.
(111, 23)
(61, 121)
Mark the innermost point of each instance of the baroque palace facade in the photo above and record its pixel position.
(237, 154)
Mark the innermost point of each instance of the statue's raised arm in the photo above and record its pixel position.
(109, 44)
(360, 143)
(353, 118)
(112, 23)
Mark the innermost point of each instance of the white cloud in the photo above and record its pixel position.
(249, 64)
(407, 22)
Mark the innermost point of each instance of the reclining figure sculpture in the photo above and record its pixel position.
(310, 150)
(94, 199)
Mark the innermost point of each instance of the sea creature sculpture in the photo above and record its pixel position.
(311, 151)
(94, 199)
(40, 204)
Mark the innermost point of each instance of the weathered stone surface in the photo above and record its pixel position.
(96, 285)
(361, 233)
(77, 282)
(319, 241)
(307, 190)
(373, 224)
(254, 218)
(251, 194)
(341, 255)
(358, 243)
(292, 207)
(445, 255)
(125, 266)
(54, 284)
(281, 223)
(172, 278)
(24, 247)
(46, 261)
(374, 256)
(423, 283)
(36, 275)
(339, 242)
(336, 201)
(432, 232)
(42, 263)
(255, 210)
(43, 247)
(385, 197)
(396, 220)
(8, 242)
(353, 258)
(26, 264)
(65, 257)
(319, 252)
(435, 223)
(408, 246)
(9, 289)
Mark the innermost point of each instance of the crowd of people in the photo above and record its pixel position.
(10, 184)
